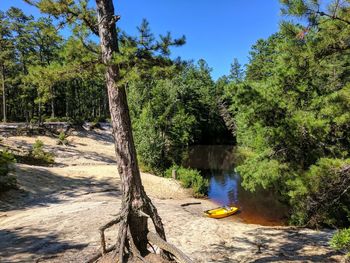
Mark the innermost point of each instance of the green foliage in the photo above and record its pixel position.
(7, 181)
(46, 75)
(320, 196)
(291, 114)
(173, 103)
(190, 178)
(171, 113)
(236, 72)
(62, 139)
(341, 240)
(40, 155)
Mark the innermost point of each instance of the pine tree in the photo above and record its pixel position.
(5, 51)
(236, 72)
(136, 205)
(292, 114)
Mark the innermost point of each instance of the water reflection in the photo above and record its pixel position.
(223, 187)
(217, 164)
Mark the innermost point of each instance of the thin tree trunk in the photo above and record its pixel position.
(67, 105)
(52, 103)
(39, 112)
(3, 94)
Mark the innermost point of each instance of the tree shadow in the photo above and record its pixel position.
(38, 186)
(27, 247)
(297, 245)
(277, 245)
(102, 135)
(72, 153)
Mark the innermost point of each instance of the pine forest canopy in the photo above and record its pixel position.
(287, 110)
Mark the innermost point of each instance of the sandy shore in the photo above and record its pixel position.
(56, 214)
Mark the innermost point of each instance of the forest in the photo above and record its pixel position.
(287, 111)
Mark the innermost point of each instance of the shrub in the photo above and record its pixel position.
(7, 181)
(341, 240)
(52, 119)
(34, 120)
(190, 178)
(40, 155)
(320, 198)
(62, 139)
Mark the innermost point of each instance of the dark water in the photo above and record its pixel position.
(217, 164)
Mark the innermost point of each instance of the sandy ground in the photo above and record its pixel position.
(55, 215)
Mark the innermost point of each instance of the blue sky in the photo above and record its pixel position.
(216, 31)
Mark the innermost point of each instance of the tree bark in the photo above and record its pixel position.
(3, 93)
(132, 225)
(52, 103)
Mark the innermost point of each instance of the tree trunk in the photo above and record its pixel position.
(39, 112)
(3, 94)
(133, 226)
(52, 103)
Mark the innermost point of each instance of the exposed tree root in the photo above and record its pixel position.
(102, 232)
(178, 254)
(126, 245)
(99, 255)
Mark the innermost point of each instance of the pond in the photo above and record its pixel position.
(217, 163)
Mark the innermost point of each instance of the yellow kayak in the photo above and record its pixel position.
(221, 212)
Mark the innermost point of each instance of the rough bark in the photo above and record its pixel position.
(133, 227)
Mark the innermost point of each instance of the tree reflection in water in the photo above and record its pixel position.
(217, 164)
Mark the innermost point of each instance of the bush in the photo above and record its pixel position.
(34, 120)
(341, 240)
(150, 145)
(40, 155)
(52, 119)
(7, 181)
(320, 198)
(62, 139)
(190, 178)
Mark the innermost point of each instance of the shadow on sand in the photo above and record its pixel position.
(22, 244)
(23, 148)
(287, 245)
(38, 186)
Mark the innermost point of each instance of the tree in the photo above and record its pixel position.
(6, 57)
(313, 10)
(292, 115)
(236, 71)
(136, 206)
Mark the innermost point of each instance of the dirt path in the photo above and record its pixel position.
(56, 214)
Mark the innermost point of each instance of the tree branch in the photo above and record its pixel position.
(179, 255)
(334, 17)
(68, 12)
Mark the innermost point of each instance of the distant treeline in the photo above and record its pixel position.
(44, 76)
(48, 77)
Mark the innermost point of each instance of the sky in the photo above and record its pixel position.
(217, 31)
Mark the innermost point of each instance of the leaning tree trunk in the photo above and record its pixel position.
(136, 206)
